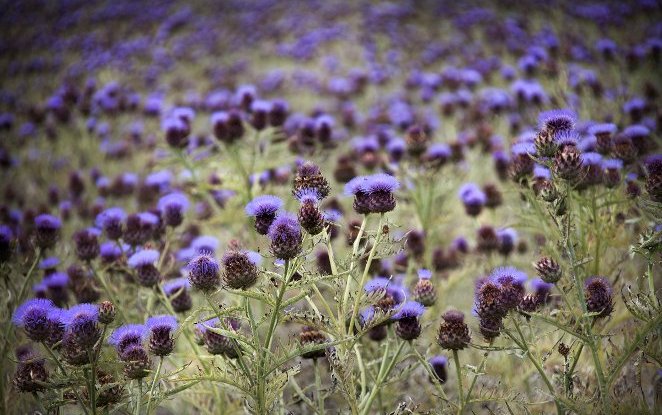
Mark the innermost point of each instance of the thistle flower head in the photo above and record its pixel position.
(32, 315)
(557, 120)
(174, 285)
(263, 205)
(144, 257)
(109, 218)
(164, 321)
(204, 273)
(129, 334)
(49, 263)
(598, 295)
(205, 244)
(424, 274)
(81, 320)
(286, 237)
(308, 195)
(410, 309)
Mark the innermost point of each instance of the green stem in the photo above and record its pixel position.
(348, 284)
(66, 375)
(318, 387)
(525, 348)
(139, 397)
(269, 339)
(384, 371)
(92, 390)
(480, 369)
(151, 389)
(651, 280)
(458, 371)
(357, 300)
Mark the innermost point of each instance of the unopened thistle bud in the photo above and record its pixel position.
(107, 312)
(598, 295)
(453, 332)
(548, 270)
(424, 291)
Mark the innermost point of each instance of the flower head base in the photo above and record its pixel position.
(111, 221)
(177, 292)
(161, 329)
(408, 327)
(548, 270)
(204, 273)
(310, 216)
(286, 237)
(263, 209)
(87, 244)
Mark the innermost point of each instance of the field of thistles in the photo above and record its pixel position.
(330, 207)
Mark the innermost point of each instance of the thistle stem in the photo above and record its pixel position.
(384, 371)
(355, 309)
(318, 387)
(458, 371)
(66, 375)
(151, 389)
(355, 250)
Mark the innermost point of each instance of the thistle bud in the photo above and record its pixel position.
(107, 312)
(453, 332)
(548, 270)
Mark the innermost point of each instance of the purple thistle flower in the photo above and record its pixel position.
(161, 329)
(165, 320)
(566, 138)
(127, 335)
(48, 230)
(286, 237)
(308, 195)
(473, 198)
(32, 316)
(438, 364)
(172, 286)
(110, 252)
(82, 321)
(204, 272)
(49, 264)
(56, 280)
(205, 243)
(144, 257)
(557, 120)
(111, 221)
(424, 274)
(264, 209)
(410, 309)
(172, 208)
